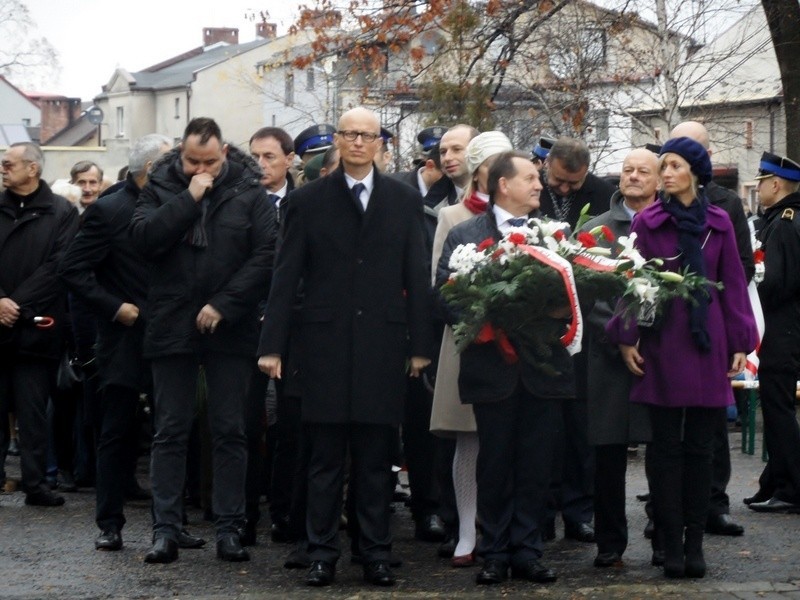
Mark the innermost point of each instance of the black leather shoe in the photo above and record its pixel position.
(164, 551)
(109, 539)
(549, 530)
(247, 534)
(657, 560)
(608, 559)
(723, 525)
(429, 529)
(229, 548)
(582, 532)
(447, 548)
(775, 505)
(534, 571)
(187, 541)
(649, 529)
(44, 498)
(379, 573)
(494, 571)
(759, 496)
(320, 574)
(297, 559)
(280, 533)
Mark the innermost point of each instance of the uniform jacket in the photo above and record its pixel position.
(30, 249)
(780, 290)
(613, 419)
(232, 273)
(677, 374)
(103, 269)
(484, 375)
(366, 302)
(595, 192)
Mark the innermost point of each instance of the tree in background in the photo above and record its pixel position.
(25, 59)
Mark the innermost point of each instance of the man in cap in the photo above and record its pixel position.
(313, 140)
(541, 150)
(779, 356)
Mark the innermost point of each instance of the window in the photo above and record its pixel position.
(26, 122)
(601, 125)
(750, 196)
(748, 133)
(120, 121)
(289, 97)
(657, 134)
(177, 108)
(310, 79)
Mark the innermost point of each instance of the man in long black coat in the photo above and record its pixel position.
(104, 270)
(205, 224)
(36, 227)
(365, 323)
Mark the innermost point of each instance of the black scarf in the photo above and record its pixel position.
(691, 221)
(196, 236)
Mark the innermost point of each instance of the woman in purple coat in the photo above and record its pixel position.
(684, 362)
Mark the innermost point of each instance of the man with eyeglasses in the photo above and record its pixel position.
(36, 226)
(354, 239)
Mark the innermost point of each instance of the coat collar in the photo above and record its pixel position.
(655, 216)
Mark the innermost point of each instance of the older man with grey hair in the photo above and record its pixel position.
(105, 271)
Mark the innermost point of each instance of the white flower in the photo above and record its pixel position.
(644, 289)
(465, 259)
(629, 250)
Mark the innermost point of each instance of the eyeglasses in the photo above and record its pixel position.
(366, 136)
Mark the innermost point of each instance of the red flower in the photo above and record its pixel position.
(485, 244)
(586, 239)
(607, 233)
(758, 256)
(516, 238)
(558, 235)
(497, 254)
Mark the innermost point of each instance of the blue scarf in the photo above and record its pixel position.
(691, 222)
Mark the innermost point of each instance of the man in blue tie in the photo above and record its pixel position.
(365, 318)
(273, 149)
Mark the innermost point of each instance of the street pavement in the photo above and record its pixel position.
(49, 553)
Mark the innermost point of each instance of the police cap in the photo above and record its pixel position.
(772, 165)
(430, 137)
(542, 149)
(316, 138)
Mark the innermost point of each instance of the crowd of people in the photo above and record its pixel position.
(279, 304)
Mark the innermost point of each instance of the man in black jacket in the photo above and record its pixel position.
(204, 222)
(354, 239)
(104, 270)
(516, 406)
(35, 228)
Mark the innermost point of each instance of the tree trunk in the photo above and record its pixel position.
(783, 17)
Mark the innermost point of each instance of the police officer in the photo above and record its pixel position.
(541, 150)
(313, 140)
(779, 484)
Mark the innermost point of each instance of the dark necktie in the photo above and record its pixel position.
(518, 222)
(275, 199)
(356, 191)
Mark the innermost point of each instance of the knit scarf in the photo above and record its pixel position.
(691, 221)
(477, 203)
(197, 236)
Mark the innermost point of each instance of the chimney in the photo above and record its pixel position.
(57, 114)
(214, 35)
(267, 31)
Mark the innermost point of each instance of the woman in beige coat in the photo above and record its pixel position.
(449, 417)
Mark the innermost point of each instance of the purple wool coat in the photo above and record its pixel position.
(676, 373)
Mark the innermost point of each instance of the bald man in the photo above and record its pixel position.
(354, 239)
(614, 422)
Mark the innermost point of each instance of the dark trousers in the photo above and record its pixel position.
(285, 455)
(419, 447)
(610, 523)
(572, 484)
(517, 439)
(255, 430)
(720, 468)
(175, 398)
(116, 453)
(680, 474)
(370, 448)
(781, 476)
(443, 472)
(25, 386)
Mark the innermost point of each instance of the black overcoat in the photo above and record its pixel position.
(31, 245)
(366, 302)
(104, 269)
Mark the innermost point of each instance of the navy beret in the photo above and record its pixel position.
(693, 153)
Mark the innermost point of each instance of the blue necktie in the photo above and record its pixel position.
(518, 222)
(356, 191)
(275, 199)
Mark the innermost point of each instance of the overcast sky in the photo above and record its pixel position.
(94, 37)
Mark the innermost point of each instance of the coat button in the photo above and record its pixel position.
(359, 261)
(359, 312)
